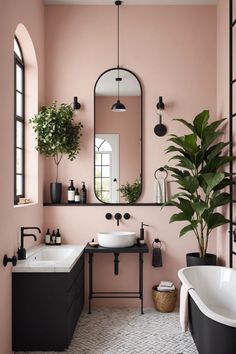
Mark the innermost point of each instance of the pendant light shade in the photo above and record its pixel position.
(118, 106)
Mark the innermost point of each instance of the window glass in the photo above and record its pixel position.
(17, 49)
(103, 169)
(19, 146)
(19, 78)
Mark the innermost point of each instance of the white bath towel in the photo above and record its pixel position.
(160, 190)
(183, 308)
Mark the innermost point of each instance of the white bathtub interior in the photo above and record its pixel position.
(53, 253)
(214, 290)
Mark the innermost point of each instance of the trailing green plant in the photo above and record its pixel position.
(200, 178)
(131, 192)
(57, 134)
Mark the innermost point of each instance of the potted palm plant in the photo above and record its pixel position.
(57, 135)
(201, 180)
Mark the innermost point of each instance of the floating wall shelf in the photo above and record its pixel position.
(101, 204)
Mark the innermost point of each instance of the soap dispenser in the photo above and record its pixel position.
(141, 237)
(83, 194)
(47, 237)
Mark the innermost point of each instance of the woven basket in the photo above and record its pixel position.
(164, 301)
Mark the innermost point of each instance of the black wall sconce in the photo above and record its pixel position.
(160, 129)
(76, 105)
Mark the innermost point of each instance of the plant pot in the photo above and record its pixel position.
(55, 192)
(193, 259)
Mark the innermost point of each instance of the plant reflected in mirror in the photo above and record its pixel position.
(131, 192)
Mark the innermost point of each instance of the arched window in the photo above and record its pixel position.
(19, 122)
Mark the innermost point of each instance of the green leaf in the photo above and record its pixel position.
(183, 162)
(209, 137)
(188, 228)
(190, 126)
(186, 207)
(224, 183)
(212, 180)
(191, 142)
(213, 151)
(199, 158)
(199, 207)
(214, 125)
(218, 161)
(178, 217)
(200, 122)
(221, 199)
(186, 142)
(177, 171)
(215, 220)
(173, 148)
(190, 183)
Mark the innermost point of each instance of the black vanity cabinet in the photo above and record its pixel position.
(45, 308)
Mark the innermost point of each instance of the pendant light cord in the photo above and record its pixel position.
(118, 36)
(118, 3)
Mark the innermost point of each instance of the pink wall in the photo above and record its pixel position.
(31, 15)
(173, 51)
(128, 125)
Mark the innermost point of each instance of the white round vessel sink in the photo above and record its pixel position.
(116, 239)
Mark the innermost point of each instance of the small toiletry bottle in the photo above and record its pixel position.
(58, 238)
(83, 194)
(53, 238)
(141, 237)
(47, 237)
(71, 192)
(77, 196)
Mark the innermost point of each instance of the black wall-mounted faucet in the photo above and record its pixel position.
(22, 251)
(118, 217)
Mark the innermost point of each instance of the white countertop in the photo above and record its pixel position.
(38, 259)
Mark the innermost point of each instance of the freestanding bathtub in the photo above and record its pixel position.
(212, 308)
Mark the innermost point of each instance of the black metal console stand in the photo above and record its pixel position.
(139, 249)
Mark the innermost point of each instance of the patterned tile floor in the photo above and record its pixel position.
(125, 331)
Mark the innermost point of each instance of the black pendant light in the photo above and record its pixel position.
(118, 106)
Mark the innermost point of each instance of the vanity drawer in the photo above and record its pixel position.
(74, 312)
(77, 287)
(72, 276)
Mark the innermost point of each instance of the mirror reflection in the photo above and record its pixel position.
(117, 136)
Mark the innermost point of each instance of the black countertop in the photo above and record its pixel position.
(134, 249)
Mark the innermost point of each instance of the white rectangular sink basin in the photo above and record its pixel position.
(116, 239)
(44, 258)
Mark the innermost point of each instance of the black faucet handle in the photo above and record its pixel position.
(12, 260)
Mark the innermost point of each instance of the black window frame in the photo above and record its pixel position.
(19, 62)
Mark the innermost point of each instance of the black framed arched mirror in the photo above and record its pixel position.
(118, 137)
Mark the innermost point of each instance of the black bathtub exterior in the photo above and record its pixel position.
(210, 337)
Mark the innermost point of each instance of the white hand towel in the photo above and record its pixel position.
(160, 190)
(183, 309)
